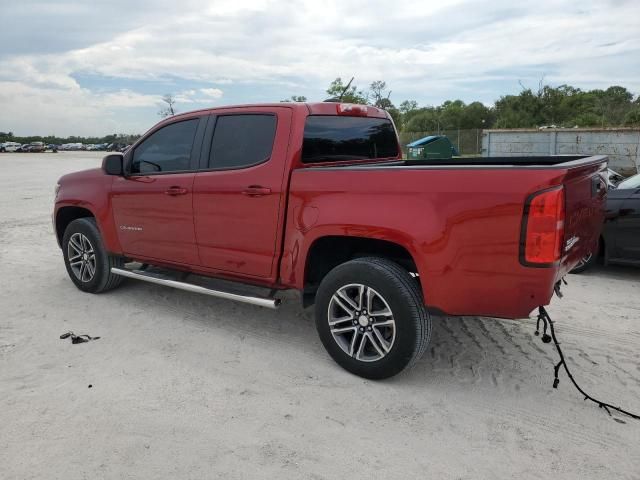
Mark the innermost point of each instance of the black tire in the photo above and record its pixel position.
(102, 278)
(402, 294)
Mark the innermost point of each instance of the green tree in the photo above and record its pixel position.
(585, 119)
(424, 120)
(295, 98)
(380, 95)
(6, 136)
(408, 109)
(408, 106)
(350, 95)
(632, 118)
(477, 115)
(519, 111)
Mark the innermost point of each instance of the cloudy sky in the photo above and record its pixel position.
(98, 67)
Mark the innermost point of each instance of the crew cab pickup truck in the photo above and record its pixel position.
(316, 197)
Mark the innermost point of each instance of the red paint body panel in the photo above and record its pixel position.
(462, 226)
(238, 232)
(91, 190)
(166, 221)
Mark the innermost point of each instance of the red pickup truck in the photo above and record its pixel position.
(316, 197)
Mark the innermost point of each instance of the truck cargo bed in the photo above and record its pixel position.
(550, 161)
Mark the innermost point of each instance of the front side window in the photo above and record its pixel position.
(242, 140)
(331, 138)
(166, 150)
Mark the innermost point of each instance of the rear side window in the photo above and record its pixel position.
(332, 138)
(242, 140)
(166, 150)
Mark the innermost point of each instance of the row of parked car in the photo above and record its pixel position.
(26, 147)
(35, 147)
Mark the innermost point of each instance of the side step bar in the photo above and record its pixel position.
(190, 287)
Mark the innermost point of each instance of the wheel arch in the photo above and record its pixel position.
(67, 214)
(327, 252)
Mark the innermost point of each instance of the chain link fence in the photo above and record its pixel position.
(467, 142)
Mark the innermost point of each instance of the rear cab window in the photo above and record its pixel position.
(332, 138)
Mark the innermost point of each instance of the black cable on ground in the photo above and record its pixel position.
(546, 319)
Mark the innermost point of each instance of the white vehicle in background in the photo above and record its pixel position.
(72, 146)
(9, 146)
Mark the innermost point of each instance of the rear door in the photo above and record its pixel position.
(239, 198)
(153, 204)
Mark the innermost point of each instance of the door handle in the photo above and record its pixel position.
(256, 191)
(173, 191)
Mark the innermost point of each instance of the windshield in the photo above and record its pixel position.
(631, 182)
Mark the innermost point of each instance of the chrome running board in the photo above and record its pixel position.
(190, 287)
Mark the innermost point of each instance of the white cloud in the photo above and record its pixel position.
(212, 92)
(463, 48)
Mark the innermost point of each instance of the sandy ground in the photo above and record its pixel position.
(187, 386)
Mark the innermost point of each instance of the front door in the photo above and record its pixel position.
(153, 204)
(239, 201)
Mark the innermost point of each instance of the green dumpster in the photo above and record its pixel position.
(433, 147)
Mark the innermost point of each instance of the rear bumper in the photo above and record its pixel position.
(492, 294)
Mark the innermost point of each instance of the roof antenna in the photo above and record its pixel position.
(345, 89)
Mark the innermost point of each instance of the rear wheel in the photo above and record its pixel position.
(88, 263)
(371, 317)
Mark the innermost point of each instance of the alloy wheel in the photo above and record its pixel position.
(361, 322)
(81, 257)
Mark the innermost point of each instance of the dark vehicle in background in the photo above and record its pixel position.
(117, 147)
(620, 239)
(35, 147)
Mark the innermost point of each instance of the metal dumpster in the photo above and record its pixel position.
(437, 147)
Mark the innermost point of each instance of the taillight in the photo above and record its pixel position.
(352, 109)
(543, 228)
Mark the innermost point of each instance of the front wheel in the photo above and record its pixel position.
(88, 263)
(371, 318)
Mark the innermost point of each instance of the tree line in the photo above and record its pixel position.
(563, 106)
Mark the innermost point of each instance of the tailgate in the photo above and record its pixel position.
(585, 187)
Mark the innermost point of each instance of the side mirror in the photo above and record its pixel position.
(112, 164)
